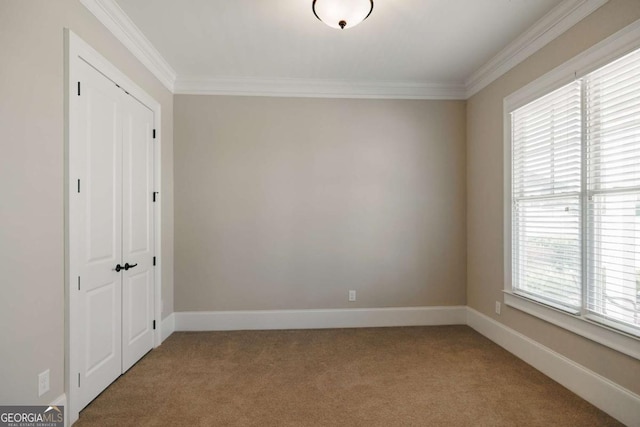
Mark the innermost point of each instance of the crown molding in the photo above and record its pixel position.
(309, 88)
(553, 24)
(122, 27)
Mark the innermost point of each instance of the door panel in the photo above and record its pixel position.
(138, 180)
(137, 229)
(100, 241)
(138, 324)
(102, 183)
(101, 326)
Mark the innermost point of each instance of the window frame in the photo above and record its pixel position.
(619, 44)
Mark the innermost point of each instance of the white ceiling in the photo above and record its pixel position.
(442, 43)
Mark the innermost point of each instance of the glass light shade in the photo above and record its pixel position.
(342, 13)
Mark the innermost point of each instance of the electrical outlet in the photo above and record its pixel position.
(43, 382)
(352, 296)
(498, 307)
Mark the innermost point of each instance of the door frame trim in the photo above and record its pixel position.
(76, 50)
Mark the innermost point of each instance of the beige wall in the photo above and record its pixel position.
(485, 196)
(287, 203)
(31, 186)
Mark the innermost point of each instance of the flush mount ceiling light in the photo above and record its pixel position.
(342, 13)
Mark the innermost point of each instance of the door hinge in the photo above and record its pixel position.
(154, 196)
(78, 379)
(78, 88)
(78, 186)
(154, 324)
(154, 134)
(154, 260)
(78, 282)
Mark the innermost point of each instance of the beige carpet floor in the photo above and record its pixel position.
(417, 376)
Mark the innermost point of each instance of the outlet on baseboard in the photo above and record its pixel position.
(498, 307)
(43, 382)
(352, 296)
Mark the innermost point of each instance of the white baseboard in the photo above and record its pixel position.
(319, 319)
(613, 399)
(62, 401)
(168, 326)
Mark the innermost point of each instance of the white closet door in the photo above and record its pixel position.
(100, 233)
(137, 232)
(115, 232)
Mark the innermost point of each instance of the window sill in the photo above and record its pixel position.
(617, 340)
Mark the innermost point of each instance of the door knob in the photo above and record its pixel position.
(118, 268)
(127, 266)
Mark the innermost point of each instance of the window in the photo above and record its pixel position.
(612, 138)
(547, 198)
(575, 197)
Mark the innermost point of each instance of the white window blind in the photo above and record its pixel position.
(612, 110)
(546, 185)
(576, 197)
